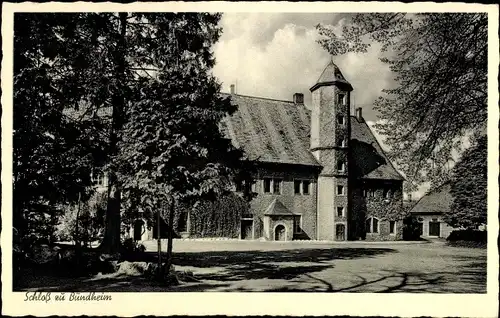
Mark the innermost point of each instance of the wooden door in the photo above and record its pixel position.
(340, 232)
(434, 229)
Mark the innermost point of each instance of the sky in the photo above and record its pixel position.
(275, 55)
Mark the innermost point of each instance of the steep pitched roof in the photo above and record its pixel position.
(369, 159)
(278, 131)
(277, 208)
(331, 75)
(437, 201)
(270, 130)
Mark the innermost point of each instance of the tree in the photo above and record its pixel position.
(469, 188)
(53, 153)
(142, 85)
(440, 66)
(172, 149)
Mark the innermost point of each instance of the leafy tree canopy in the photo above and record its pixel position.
(440, 66)
(469, 186)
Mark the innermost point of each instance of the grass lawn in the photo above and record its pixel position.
(301, 266)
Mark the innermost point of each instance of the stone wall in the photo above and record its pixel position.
(365, 205)
(302, 204)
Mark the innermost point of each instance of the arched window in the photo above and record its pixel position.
(371, 225)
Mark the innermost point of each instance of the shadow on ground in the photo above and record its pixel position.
(294, 270)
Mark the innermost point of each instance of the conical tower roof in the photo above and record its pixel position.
(332, 75)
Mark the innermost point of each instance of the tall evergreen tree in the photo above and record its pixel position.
(139, 88)
(440, 65)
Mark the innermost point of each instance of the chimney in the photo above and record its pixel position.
(298, 99)
(232, 89)
(359, 114)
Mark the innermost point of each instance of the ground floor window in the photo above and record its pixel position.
(392, 227)
(372, 225)
(297, 228)
(182, 223)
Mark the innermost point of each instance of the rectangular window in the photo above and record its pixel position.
(239, 186)
(296, 186)
(341, 99)
(340, 166)
(267, 185)
(297, 228)
(375, 225)
(340, 190)
(340, 119)
(387, 193)
(392, 227)
(254, 186)
(305, 186)
(97, 178)
(277, 186)
(340, 211)
(368, 225)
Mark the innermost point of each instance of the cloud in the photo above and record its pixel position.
(276, 55)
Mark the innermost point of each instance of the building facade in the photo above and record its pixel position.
(321, 173)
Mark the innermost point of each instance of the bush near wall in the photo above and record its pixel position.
(467, 238)
(219, 218)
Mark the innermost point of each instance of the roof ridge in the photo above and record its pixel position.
(259, 97)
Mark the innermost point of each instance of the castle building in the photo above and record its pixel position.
(321, 173)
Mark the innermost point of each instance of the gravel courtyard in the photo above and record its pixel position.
(304, 267)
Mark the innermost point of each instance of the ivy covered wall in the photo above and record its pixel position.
(220, 218)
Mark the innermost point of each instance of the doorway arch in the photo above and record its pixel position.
(280, 233)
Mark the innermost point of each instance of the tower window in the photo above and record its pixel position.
(340, 190)
(341, 99)
(341, 142)
(340, 166)
(341, 119)
(340, 211)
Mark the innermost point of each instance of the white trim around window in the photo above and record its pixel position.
(304, 186)
(272, 181)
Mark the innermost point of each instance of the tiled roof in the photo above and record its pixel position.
(331, 74)
(437, 201)
(278, 131)
(270, 130)
(369, 160)
(277, 208)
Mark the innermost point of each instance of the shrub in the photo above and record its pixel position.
(468, 235)
(411, 229)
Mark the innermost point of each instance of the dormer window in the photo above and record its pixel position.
(341, 120)
(341, 99)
